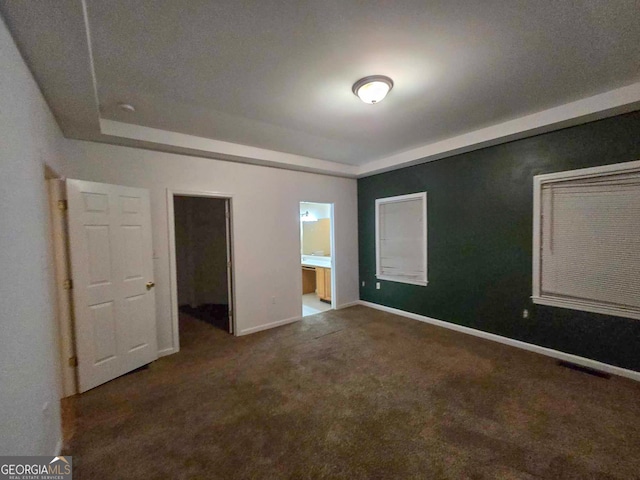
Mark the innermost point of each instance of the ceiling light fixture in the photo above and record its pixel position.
(126, 107)
(372, 89)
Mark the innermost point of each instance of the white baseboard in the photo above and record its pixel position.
(347, 305)
(267, 326)
(586, 362)
(166, 351)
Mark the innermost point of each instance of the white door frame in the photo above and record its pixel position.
(62, 275)
(332, 239)
(173, 279)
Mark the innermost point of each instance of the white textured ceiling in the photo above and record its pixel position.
(277, 74)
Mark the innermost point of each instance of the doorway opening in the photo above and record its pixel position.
(316, 257)
(203, 259)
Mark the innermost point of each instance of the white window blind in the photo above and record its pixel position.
(401, 246)
(590, 243)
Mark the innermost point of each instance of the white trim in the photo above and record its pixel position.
(173, 279)
(238, 152)
(537, 209)
(586, 307)
(402, 198)
(575, 304)
(401, 280)
(624, 167)
(199, 193)
(549, 352)
(58, 447)
(268, 326)
(603, 105)
(347, 305)
(334, 290)
(166, 351)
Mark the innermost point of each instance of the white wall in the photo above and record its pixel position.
(29, 378)
(266, 224)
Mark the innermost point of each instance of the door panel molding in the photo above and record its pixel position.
(115, 321)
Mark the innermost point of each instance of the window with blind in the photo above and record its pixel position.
(401, 238)
(587, 240)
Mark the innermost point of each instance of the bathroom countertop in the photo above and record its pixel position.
(313, 261)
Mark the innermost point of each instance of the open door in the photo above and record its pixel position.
(112, 273)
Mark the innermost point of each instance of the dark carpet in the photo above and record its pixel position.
(214, 314)
(355, 394)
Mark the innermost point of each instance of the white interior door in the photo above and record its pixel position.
(112, 272)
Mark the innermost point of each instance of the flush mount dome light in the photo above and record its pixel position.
(372, 89)
(127, 107)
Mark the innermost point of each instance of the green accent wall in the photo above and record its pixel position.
(479, 220)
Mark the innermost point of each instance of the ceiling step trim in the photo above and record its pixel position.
(608, 104)
(225, 150)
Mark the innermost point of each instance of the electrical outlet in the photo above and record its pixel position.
(363, 284)
(377, 285)
(273, 300)
(525, 313)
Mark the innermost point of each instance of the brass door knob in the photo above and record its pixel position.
(150, 285)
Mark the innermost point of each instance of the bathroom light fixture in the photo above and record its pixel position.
(372, 89)
(308, 217)
(127, 107)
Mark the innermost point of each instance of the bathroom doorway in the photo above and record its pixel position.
(316, 257)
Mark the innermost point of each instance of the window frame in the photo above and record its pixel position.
(401, 198)
(575, 304)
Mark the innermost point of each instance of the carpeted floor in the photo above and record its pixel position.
(214, 314)
(355, 394)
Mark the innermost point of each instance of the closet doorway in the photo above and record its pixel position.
(203, 259)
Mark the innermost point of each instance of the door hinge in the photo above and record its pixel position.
(63, 205)
(73, 361)
(67, 284)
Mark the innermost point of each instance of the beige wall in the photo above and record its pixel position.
(266, 209)
(29, 365)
